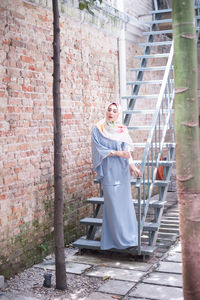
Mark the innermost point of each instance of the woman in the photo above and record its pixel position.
(111, 146)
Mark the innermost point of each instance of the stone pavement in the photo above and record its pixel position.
(141, 280)
(124, 277)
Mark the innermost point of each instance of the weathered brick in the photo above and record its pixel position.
(27, 59)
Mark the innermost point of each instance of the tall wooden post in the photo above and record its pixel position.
(61, 281)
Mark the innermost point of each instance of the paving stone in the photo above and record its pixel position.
(76, 268)
(164, 279)
(170, 267)
(71, 267)
(151, 291)
(116, 287)
(111, 262)
(100, 296)
(177, 248)
(121, 274)
(175, 257)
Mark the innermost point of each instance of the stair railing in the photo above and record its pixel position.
(154, 145)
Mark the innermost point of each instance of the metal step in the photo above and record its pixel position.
(98, 222)
(154, 44)
(167, 10)
(163, 163)
(153, 203)
(96, 200)
(170, 222)
(141, 97)
(175, 226)
(159, 21)
(165, 145)
(159, 55)
(157, 32)
(146, 111)
(95, 245)
(146, 127)
(160, 11)
(160, 183)
(171, 219)
(144, 82)
(92, 221)
(169, 229)
(141, 69)
(166, 235)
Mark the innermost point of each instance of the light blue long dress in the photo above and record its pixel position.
(119, 230)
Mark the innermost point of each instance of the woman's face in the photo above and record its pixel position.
(112, 113)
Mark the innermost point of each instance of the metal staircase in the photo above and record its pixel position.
(158, 136)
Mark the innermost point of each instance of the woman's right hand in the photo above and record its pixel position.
(124, 154)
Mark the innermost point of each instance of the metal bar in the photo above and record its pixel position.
(143, 192)
(148, 173)
(155, 4)
(155, 142)
(152, 160)
(139, 221)
(159, 129)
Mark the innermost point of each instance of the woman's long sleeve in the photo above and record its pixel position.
(99, 151)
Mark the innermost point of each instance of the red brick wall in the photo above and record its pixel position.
(89, 78)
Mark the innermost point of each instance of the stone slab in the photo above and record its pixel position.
(110, 262)
(71, 267)
(121, 274)
(177, 248)
(100, 296)
(118, 287)
(164, 279)
(170, 267)
(151, 291)
(174, 257)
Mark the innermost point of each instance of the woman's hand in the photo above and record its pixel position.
(122, 154)
(134, 170)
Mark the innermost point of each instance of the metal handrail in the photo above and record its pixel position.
(158, 106)
(155, 129)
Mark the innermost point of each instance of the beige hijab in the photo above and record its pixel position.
(115, 130)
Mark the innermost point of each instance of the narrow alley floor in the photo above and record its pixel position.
(97, 275)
